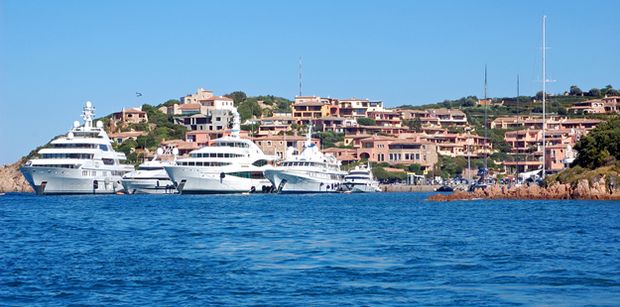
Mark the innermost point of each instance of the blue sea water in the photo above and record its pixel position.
(364, 249)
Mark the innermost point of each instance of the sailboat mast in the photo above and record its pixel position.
(486, 107)
(518, 120)
(544, 93)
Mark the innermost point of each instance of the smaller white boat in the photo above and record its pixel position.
(360, 180)
(151, 177)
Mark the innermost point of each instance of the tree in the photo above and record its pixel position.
(414, 124)
(248, 109)
(594, 92)
(365, 121)
(606, 89)
(539, 95)
(415, 168)
(388, 177)
(575, 91)
(169, 102)
(330, 138)
(237, 97)
(600, 146)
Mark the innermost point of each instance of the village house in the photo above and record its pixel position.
(120, 137)
(308, 108)
(449, 117)
(385, 118)
(274, 125)
(355, 108)
(344, 155)
(597, 106)
(278, 145)
(127, 116)
(461, 145)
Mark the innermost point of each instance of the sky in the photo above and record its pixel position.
(55, 55)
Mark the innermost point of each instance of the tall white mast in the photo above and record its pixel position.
(544, 93)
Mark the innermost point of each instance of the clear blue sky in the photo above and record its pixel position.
(54, 55)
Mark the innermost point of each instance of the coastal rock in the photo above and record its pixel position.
(600, 188)
(11, 180)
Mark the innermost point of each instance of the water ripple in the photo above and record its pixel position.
(383, 249)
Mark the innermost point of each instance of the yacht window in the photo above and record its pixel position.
(260, 163)
(220, 155)
(103, 147)
(108, 161)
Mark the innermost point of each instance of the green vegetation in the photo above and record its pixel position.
(413, 124)
(388, 177)
(330, 139)
(365, 121)
(601, 147)
(249, 107)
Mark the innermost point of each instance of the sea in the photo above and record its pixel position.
(309, 250)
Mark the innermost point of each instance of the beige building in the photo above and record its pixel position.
(597, 106)
(355, 107)
(127, 116)
(277, 145)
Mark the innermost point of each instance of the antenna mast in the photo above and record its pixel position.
(300, 75)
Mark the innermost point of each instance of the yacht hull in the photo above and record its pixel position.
(359, 188)
(194, 180)
(148, 186)
(302, 182)
(53, 180)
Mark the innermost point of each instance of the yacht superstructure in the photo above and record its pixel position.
(230, 165)
(81, 162)
(311, 171)
(360, 180)
(151, 177)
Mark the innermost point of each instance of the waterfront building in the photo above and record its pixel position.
(277, 145)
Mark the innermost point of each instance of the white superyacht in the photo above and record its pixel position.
(230, 165)
(151, 177)
(81, 162)
(311, 171)
(360, 180)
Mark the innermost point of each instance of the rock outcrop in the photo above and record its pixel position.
(599, 188)
(11, 180)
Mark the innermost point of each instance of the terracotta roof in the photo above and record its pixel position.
(181, 144)
(378, 138)
(126, 134)
(133, 110)
(189, 106)
(217, 98)
(309, 103)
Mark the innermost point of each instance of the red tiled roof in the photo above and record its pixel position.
(189, 106)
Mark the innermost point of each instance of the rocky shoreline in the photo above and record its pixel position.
(600, 189)
(11, 180)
